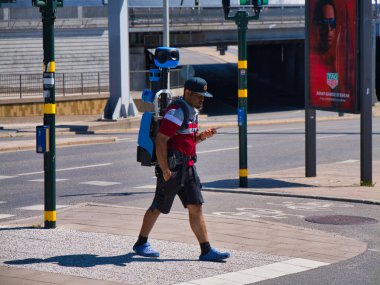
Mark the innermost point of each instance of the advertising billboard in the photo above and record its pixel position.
(332, 33)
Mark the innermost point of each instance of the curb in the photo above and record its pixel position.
(129, 124)
(31, 144)
(291, 195)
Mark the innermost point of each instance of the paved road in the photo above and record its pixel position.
(106, 172)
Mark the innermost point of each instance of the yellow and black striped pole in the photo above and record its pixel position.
(48, 9)
(48, 17)
(242, 18)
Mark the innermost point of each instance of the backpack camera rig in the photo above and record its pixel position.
(165, 58)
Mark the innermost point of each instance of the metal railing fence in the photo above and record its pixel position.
(146, 16)
(75, 84)
(151, 16)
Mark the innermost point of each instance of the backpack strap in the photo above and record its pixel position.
(185, 111)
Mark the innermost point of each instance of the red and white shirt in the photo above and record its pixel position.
(180, 140)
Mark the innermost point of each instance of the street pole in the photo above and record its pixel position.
(366, 93)
(310, 114)
(310, 143)
(48, 9)
(165, 82)
(241, 18)
(48, 18)
(166, 33)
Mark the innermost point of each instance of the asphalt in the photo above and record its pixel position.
(92, 242)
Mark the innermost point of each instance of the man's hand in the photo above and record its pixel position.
(208, 133)
(166, 174)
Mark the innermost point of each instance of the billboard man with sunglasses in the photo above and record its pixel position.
(332, 55)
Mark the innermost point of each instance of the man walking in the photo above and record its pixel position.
(176, 174)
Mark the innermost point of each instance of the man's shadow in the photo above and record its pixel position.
(91, 260)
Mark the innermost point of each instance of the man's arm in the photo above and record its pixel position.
(162, 154)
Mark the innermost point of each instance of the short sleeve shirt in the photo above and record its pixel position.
(180, 140)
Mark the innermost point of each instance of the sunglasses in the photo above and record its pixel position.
(325, 23)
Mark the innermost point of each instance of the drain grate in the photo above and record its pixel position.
(340, 220)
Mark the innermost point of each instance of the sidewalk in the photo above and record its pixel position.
(93, 241)
(334, 181)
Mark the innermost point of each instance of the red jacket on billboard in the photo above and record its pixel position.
(332, 55)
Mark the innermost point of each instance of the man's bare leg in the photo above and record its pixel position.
(149, 220)
(197, 222)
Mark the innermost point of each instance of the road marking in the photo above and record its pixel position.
(310, 206)
(257, 213)
(220, 149)
(276, 130)
(100, 183)
(2, 202)
(260, 273)
(40, 207)
(67, 169)
(127, 139)
(348, 161)
(42, 180)
(3, 216)
(146, 187)
(329, 137)
(6, 177)
(375, 250)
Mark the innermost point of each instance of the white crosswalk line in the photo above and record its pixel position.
(100, 183)
(220, 149)
(348, 161)
(6, 177)
(67, 169)
(40, 207)
(146, 187)
(260, 273)
(3, 216)
(42, 180)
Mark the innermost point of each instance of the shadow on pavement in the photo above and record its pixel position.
(107, 194)
(262, 183)
(19, 228)
(91, 260)
(78, 129)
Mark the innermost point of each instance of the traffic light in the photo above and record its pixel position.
(254, 3)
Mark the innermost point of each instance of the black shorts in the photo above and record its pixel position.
(190, 193)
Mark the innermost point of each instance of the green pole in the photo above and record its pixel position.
(242, 18)
(48, 18)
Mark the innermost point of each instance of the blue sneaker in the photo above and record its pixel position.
(214, 255)
(145, 250)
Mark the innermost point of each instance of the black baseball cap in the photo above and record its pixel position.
(197, 85)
